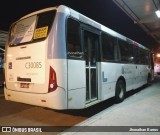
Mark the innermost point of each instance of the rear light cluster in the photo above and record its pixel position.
(52, 80)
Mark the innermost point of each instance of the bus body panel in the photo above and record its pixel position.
(24, 66)
(57, 38)
(76, 98)
(76, 74)
(53, 100)
(76, 84)
(60, 68)
(134, 75)
(140, 75)
(111, 72)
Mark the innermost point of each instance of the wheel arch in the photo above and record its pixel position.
(123, 79)
(120, 93)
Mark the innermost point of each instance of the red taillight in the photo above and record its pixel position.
(52, 80)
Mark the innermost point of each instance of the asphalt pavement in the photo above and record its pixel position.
(1, 91)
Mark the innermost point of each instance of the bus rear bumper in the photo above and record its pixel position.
(53, 100)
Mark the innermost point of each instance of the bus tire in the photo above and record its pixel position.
(120, 91)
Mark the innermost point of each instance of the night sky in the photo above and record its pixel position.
(105, 12)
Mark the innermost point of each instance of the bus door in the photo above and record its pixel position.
(90, 46)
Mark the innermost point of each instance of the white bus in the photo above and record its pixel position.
(157, 64)
(60, 59)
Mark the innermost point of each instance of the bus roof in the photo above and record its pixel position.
(86, 20)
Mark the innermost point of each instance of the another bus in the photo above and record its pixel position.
(60, 59)
(157, 64)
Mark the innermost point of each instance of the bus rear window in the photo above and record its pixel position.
(32, 29)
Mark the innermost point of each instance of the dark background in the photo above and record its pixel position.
(105, 12)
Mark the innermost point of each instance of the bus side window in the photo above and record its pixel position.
(142, 56)
(126, 51)
(109, 48)
(137, 55)
(131, 53)
(148, 58)
(73, 39)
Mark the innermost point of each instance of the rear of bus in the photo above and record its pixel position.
(36, 66)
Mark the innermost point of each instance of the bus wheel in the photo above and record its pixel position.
(120, 91)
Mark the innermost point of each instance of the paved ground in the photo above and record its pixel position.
(141, 109)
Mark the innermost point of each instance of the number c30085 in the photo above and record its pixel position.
(30, 65)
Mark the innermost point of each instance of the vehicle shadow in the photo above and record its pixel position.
(97, 108)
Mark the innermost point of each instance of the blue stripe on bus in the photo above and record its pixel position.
(103, 78)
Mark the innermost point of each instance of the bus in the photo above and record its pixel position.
(60, 59)
(157, 64)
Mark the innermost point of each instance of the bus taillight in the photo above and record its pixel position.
(52, 80)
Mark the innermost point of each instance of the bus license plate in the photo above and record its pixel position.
(24, 85)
